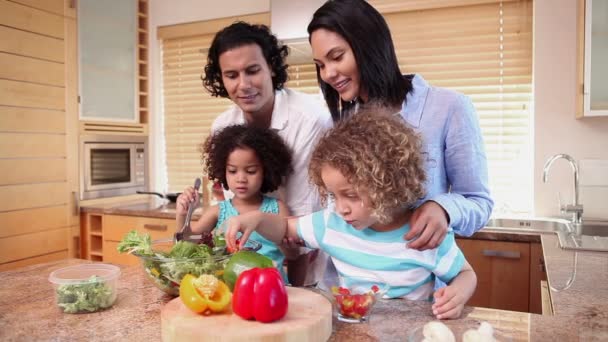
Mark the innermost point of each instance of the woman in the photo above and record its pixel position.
(356, 64)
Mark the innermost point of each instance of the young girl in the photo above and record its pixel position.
(371, 166)
(251, 162)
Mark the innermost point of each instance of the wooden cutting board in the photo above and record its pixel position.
(308, 318)
(515, 324)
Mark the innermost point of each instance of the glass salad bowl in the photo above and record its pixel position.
(166, 262)
(354, 297)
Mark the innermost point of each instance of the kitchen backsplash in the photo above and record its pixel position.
(594, 187)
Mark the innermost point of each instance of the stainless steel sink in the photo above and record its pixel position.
(593, 237)
(595, 228)
(548, 225)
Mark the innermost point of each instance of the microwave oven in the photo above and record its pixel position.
(112, 165)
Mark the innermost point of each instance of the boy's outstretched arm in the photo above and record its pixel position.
(450, 300)
(271, 226)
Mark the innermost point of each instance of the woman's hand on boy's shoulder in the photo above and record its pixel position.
(429, 223)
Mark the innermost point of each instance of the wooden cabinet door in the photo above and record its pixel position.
(116, 226)
(503, 271)
(38, 136)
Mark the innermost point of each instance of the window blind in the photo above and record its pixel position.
(189, 110)
(483, 50)
(303, 78)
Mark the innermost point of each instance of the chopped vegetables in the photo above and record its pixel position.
(354, 306)
(205, 294)
(90, 296)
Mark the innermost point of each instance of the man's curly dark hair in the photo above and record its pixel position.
(269, 147)
(236, 35)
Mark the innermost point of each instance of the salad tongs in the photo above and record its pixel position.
(186, 233)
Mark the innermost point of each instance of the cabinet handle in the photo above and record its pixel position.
(162, 227)
(501, 254)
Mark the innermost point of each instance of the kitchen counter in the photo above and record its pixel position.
(154, 207)
(141, 206)
(581, 312)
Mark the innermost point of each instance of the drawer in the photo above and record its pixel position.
(116, 226)
(111, 255)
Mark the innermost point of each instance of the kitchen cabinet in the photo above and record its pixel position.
(38, 132)
(592, 80)
(508, 274)
(113, 55)
(103, 232)
(108, 61)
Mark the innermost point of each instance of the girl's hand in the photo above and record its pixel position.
(448, 303)
(430, 223)
(184, 200)
(245, 224)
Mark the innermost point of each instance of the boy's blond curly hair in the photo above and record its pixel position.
(379, 154)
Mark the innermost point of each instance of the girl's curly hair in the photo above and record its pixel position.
(236, 35)
(269, 147)
(379, 155)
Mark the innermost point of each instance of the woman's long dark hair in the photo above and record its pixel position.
(364, 28)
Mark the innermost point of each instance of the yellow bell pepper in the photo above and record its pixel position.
(205, 294)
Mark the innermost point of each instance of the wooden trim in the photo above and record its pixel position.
(26, 69)
(23, 94)
(23, 171)
(71, 125)
(31, 19)
(26, 145)
(31, 120)
(52, 6)
(19, 197)
(208, 26)
(31, 44)
(31, 245)
(30, 220)
(101, 127)
(537, 275)
(56, 256)
(580, 59)
(547, 304)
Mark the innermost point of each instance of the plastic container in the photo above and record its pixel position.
(85, 288)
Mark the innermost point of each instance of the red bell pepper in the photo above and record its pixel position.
(259, 294)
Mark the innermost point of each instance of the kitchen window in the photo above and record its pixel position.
(484, 50)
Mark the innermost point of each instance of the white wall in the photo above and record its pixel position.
(171, 12)
(555, 128)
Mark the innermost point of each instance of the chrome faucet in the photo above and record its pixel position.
(576, 209)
